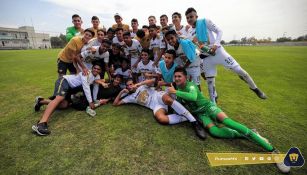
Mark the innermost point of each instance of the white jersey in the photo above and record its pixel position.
(191, 33)
(85, 81)
(126, 74)
(132, 34)
(147, 97)
(88, 57)
(182, 33)
(115, 40)
(156, 45)
(134, 51)
(94, 42)
(148, 68)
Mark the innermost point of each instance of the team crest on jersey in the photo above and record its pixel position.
(143, 97)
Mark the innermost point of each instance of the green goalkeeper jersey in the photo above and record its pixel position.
(71, 32)
(193, 99)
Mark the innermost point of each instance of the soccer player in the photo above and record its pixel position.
(109, 89)
(76, 29)
(132, 50)
(99, 39)
(142, 94)
(110, 34)
(157, 45)
(96, 27)
(118, 19)
(187, 55)
(124, 71)
(134, 26)
(204, 36)
(61, 96)
(180, 29)
(167, 67)
(163, 20)
(68, 56)
(97, 55)
(189, 95)
(143, 38)
(119, 39)
(145, 67)
(152, 20)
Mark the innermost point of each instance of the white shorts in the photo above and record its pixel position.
(221, 58)
(194, 74)
(157, 102)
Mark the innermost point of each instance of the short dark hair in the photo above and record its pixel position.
(90, 30)
(134, 20)
(129, 79)
(119, 76)
(181, 69)
(189, 10)
(172, 52)
(110, 30)
(145, 50)
(140, 33)
(117, 45)
(118, 29)
(176, 13)
(170, 32)
(95, 18)
(153, 26)
(145, 26)
(127, 34)
(75, 16)
(164, 15)
(107, 42)
(97, 64)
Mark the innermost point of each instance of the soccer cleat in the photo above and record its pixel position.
(37, 104)
(41, 129)
(90, 111)
(199, 130)
(280, 165)
(259, 93)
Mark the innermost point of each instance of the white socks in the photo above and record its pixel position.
(181, 110)
(174, 119)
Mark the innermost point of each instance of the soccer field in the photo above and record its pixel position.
(128, 140)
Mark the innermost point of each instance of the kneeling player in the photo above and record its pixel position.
(146, 96)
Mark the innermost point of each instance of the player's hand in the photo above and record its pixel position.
(105, 85)
(92, 49)
(85, 71)
(213, 49)
(103, 101)
(187, 27)
(134, 66)
(125, 91)
(171, 90)
(92, 105)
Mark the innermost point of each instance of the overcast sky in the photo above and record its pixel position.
(236, 18)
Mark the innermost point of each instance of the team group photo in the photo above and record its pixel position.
(149, 91)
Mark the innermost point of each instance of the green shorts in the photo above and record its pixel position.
(210, 115)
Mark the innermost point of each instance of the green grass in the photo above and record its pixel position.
(128, 140)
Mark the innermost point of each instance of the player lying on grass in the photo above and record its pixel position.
(204, 36)
(61, 94)
(142, 94)
(189, 95)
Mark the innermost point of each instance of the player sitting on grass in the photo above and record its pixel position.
(61, 95)
(189, 95)
(109, 89)
(142, 94)
(204, 36)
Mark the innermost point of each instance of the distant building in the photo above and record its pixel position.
(23, 38)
